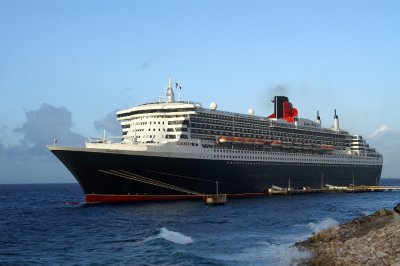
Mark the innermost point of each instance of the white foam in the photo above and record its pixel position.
(148, 239)
(323, 225)
(175, 237)
(366, 213)
(295, 256)
(263, 254)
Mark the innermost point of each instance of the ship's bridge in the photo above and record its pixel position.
(157, 122)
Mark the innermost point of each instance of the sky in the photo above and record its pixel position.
(67, 66)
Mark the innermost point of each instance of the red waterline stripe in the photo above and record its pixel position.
(98, 198)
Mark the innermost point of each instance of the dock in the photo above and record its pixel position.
(330, 189)
(215, 199)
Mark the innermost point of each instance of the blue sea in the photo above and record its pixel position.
(39, 227)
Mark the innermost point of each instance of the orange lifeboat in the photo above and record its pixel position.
(224, 139)
(276, 143)
(327, 147)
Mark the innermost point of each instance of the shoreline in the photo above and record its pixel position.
(366, 240)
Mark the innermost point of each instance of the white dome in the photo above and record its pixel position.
(250, 111)
(213, 106)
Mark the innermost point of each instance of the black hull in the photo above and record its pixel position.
(139, 177)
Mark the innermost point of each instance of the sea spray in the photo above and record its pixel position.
(323, 225)
(172, 236)
(175, 237)
(261, 253)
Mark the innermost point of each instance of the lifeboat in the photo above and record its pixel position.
(327, 147)
(276, 143)
(225, 139)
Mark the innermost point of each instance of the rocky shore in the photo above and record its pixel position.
(367, 240)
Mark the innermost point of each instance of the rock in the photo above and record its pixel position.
(396, 213)
(360, 220)
(397, 208)
(368, 240)
(382, 212)
(380, 254)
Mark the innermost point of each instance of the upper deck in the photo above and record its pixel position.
(170, 121)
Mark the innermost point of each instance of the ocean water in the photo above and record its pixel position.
(37, 227)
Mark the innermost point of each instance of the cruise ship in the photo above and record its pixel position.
(173, 149)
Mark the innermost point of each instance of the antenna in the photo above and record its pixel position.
(169, 92)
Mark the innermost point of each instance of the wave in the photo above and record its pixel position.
(323, 225)
(172, 236)
(262, 253)
(175, 237)
(366, 213)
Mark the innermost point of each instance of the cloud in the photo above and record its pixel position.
(44, 125)
(386, 141)
(382, 130)
(110, 124)
(29, 161)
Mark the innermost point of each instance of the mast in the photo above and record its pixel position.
(318, 119)
(336, 122)
(169, 92)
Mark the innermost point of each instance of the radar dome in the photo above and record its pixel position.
(250, 111)
(213, 106)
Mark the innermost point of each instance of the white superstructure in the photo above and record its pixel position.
(186, 129)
